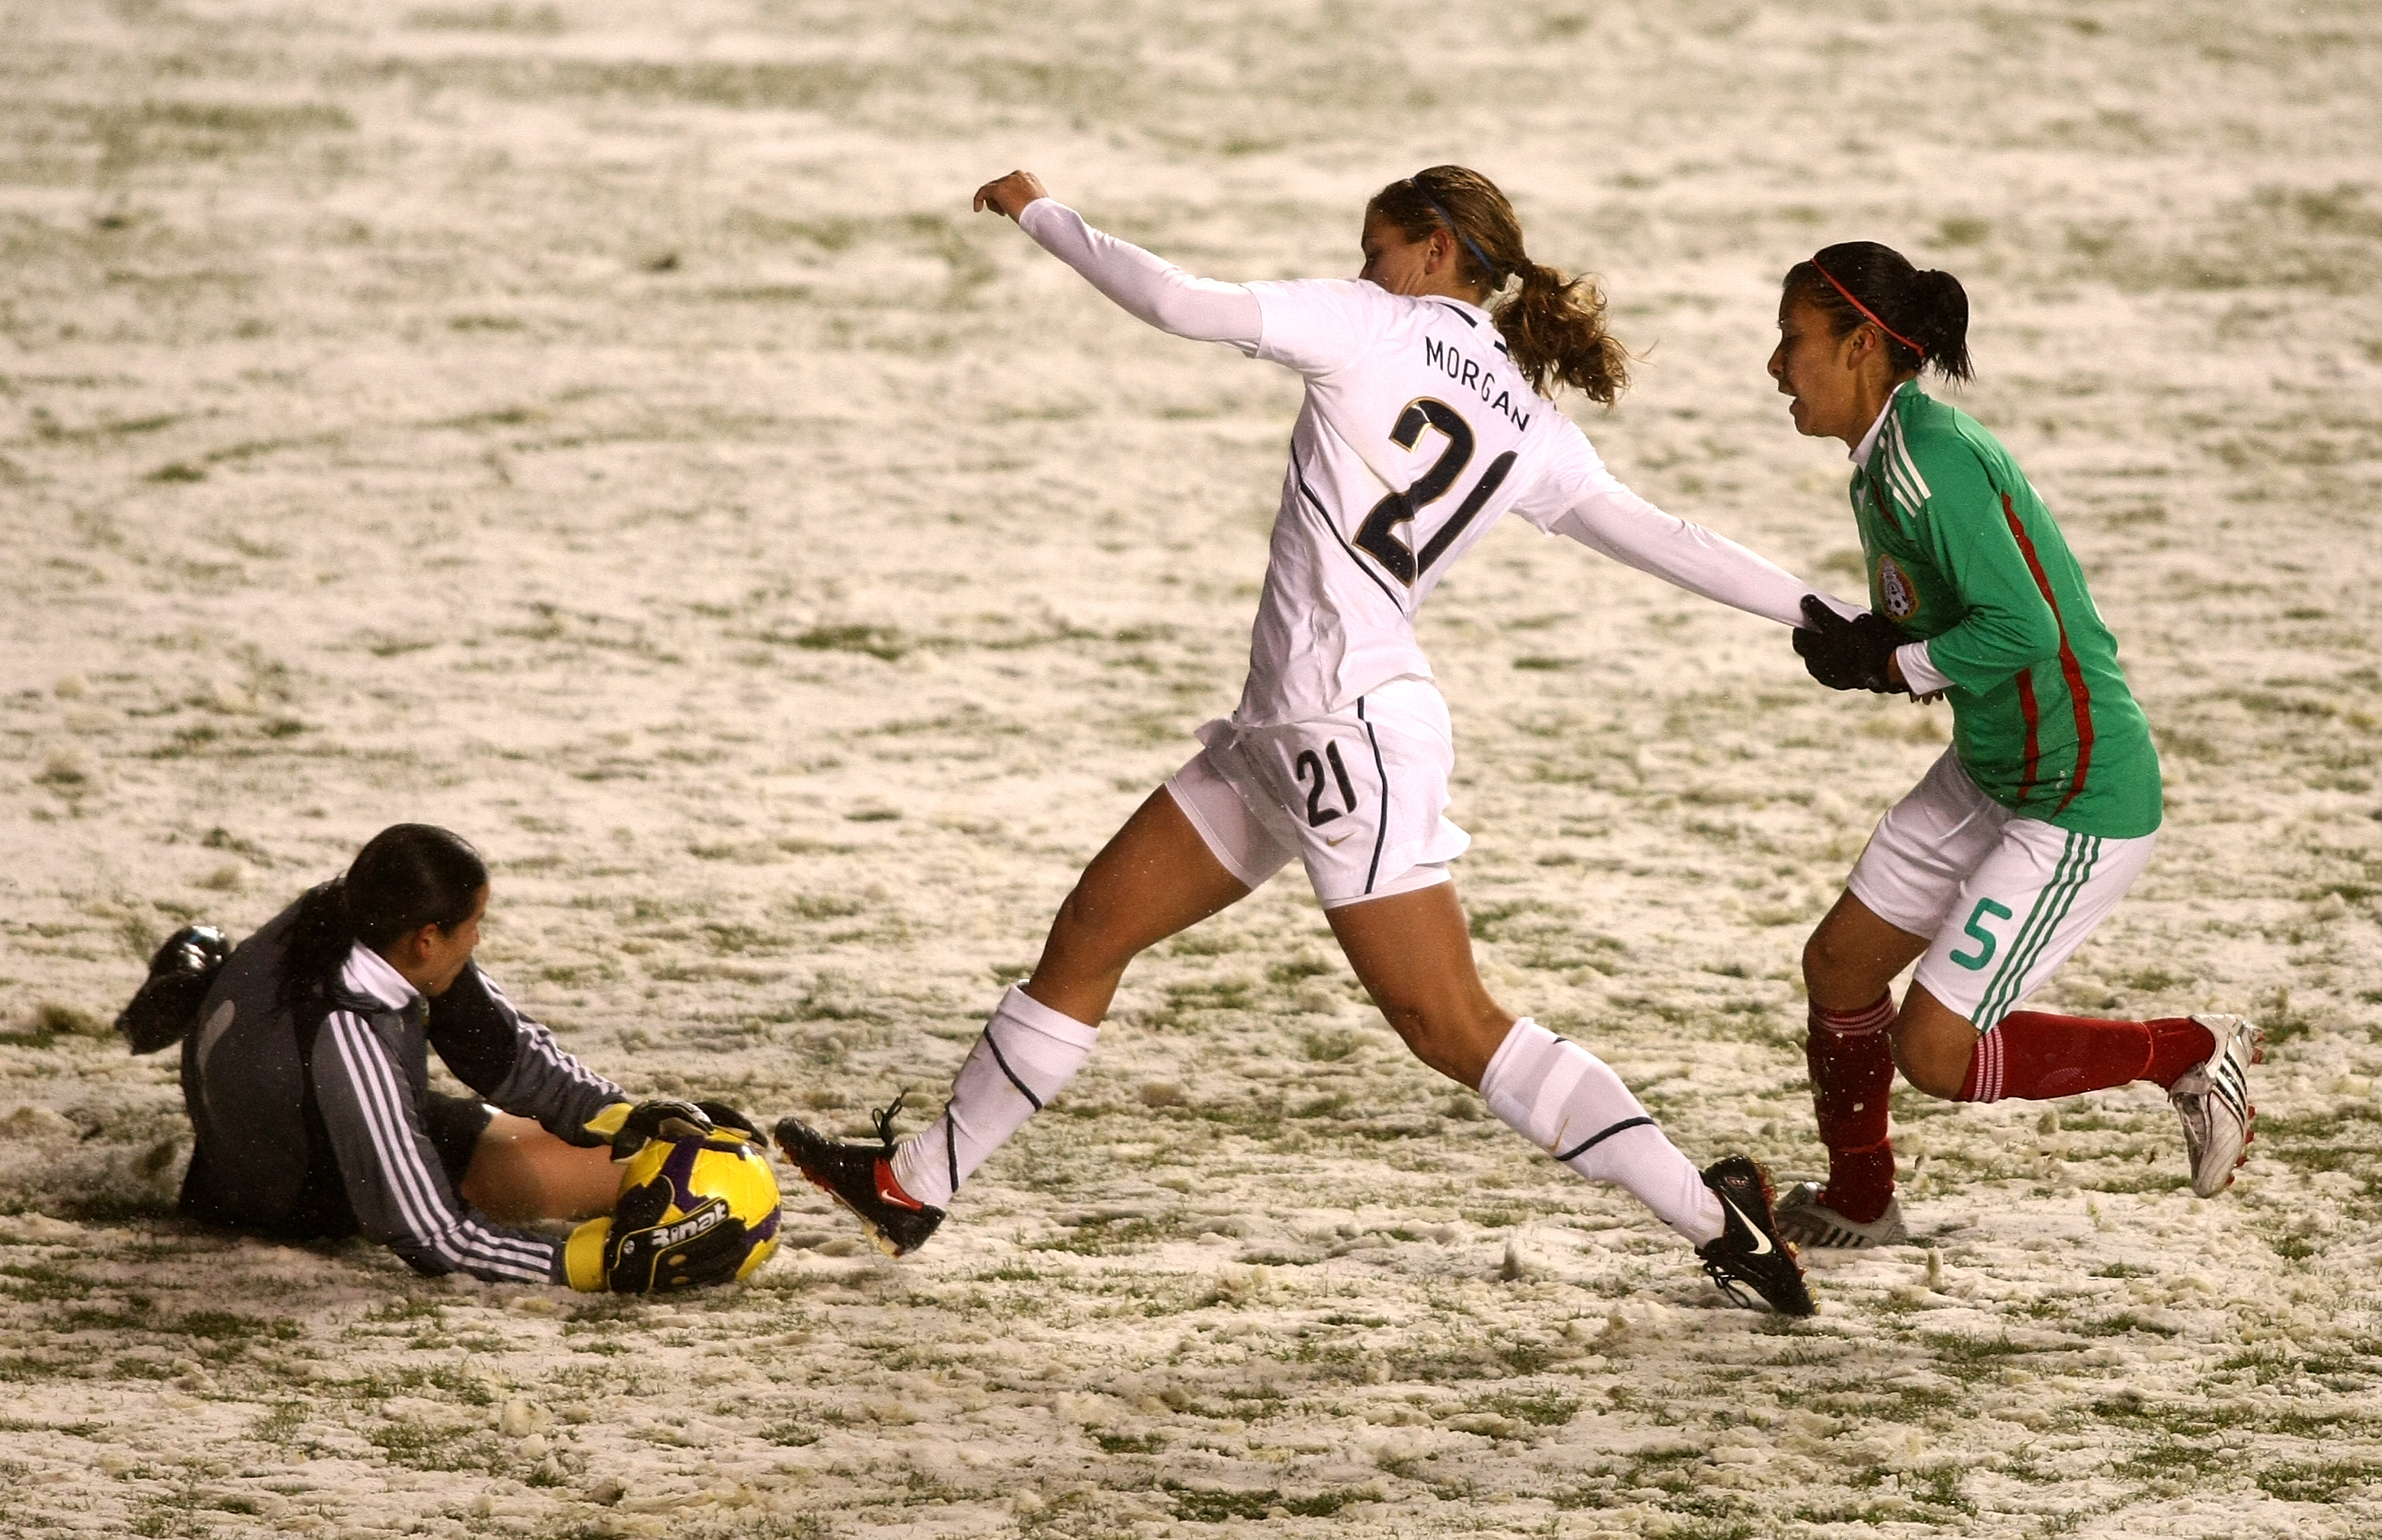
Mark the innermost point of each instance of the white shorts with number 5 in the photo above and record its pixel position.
(2006, 898)
(1360, 796)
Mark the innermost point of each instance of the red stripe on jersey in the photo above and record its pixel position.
(2033, 715)
(2080, 698)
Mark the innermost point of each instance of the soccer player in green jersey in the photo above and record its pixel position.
(2023, 837)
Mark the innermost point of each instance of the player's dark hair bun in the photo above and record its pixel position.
(407, 876)
(1940, 316)
(1924, 313)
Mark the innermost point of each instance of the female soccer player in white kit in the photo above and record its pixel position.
(1427, 418)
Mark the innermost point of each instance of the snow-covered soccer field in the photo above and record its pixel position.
(603, 429)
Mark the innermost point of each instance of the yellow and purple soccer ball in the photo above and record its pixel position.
(682, 1189)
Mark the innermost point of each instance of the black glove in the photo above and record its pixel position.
(632, 1251)
(179, 975)
(722, 1116)
(1846, 655)
(632, 1128)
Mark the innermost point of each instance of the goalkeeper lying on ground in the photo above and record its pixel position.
(305, 1071)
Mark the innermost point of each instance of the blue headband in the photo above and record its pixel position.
(1496, 279)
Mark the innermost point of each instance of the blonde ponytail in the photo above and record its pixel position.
(1553, 326)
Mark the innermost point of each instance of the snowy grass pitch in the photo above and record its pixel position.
(602, 429)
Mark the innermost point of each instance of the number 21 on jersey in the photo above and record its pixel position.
(1379, 538)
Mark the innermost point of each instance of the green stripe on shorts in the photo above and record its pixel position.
(2077, 859)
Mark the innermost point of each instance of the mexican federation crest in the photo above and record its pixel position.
(1896, 592)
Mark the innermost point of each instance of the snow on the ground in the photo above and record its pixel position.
(604, 430)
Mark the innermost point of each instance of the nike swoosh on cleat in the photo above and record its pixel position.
(1761, 1246)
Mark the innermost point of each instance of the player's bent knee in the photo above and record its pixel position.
(1085, 935)
(1459, 1049)
(1936, 1067)
(1829, 966)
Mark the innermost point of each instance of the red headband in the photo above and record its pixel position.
(1865, 310)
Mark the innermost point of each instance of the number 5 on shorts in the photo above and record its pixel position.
(1985, 939)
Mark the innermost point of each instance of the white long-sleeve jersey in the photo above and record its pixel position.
(1416, 434)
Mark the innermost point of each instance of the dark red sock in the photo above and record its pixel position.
(2037, 1057)
(2177, 1043)
(1852, 1072)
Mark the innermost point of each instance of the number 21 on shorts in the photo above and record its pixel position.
(1309, 771)
(1985, 939)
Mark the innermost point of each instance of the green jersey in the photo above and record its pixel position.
(1963, 556)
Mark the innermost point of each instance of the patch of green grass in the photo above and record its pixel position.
(2175, 1418)
(1104, 1236)
(2313, 1482)
(1543, 1409)
(223, 1326)
(1126, 1443)
(1488, 920)
(1329, 1047)
(1216, 1506)
(2169, 1457)
(420, 1447)
(1296, 970)
(1970, 1358)
(280, 1425)
(43, 1280)
(878, 641)
(527, 21)
(1209, 995)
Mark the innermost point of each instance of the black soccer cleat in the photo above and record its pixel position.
(180, 973)
(1750, 1254)
(859, 1177)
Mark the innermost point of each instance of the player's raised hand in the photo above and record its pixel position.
(1010, 194)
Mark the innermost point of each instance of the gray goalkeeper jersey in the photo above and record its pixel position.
(309, 1120)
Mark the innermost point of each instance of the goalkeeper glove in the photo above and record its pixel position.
(628, 1126)
(725, 1120)
(650, 1245)
(633, 1250)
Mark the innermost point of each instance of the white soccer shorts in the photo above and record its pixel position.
(2008, 900)
(1360, 796)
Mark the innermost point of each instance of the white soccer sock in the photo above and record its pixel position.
(1026, 1055)
(1570, 1103)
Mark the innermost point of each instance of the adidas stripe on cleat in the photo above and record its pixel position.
(1806, 1220)
(859, 1177)
(2213, 1099)
(1750, 1254)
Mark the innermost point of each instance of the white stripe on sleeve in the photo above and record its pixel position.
(422, 1205)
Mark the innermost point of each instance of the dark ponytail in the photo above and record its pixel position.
(1923, 315)
(409, 876)
(1553, 323)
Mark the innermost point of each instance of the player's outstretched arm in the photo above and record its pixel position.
(1616, 522)
(1582, 498)
(1147, 288)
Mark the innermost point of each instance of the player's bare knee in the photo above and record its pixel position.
(1456, 1044)
(1828, 966)
(1934, 1069)
(1082, 940)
